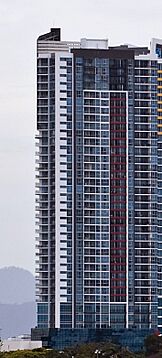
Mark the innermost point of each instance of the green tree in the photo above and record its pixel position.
(153, 344)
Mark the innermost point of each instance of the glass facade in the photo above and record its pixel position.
(45, 184)
(159, 193)
(145, 194)
(132, 339)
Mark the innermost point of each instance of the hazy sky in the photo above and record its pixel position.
(21, 22)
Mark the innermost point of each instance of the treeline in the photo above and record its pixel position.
(84, 351)
(153, 349)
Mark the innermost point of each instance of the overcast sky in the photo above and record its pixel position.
(21, 22)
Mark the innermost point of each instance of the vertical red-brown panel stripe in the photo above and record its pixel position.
(118, 199)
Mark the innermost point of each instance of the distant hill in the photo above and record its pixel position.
(17, 319)
(17, 306)
(16, 285)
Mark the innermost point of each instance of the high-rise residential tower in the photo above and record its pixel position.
(99, 184)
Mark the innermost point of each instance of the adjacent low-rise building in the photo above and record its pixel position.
(19, 343)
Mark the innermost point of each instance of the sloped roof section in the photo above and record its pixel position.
(53, 35)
